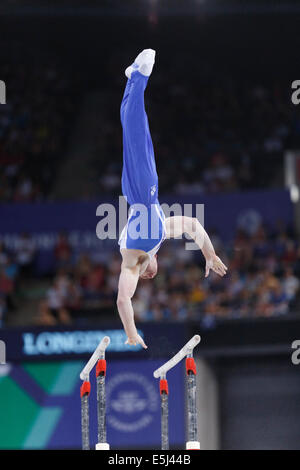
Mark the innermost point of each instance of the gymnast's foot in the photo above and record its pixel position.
(143, 63)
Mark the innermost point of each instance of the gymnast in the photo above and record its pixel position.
(140, 188)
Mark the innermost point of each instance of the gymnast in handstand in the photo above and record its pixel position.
(140, 188)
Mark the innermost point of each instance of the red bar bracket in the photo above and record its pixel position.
(101, 367)
(163, 386)
(190, 365)
(85, 388)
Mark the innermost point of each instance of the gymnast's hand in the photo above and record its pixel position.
(136, 339)
(215, 264)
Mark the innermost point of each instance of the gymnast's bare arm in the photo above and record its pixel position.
(134, 263)
(177, 225)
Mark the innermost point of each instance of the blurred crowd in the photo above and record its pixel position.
(263, 280)
(14, 265)
(34, 125)
(208, 135)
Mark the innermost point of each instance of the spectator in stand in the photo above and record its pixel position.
(25, 253)
(94, 281)
(6, 288)
(62, 251)
(11, 269)
(56, 300)
(44, 316)
(3, 310)
(219, 176)
(290, 284)
(279, 300)
(3, 255)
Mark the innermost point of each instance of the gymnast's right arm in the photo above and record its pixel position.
(178, 225)
(127, 285)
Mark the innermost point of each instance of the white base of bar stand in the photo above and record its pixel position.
(102, 446)
(193, 445)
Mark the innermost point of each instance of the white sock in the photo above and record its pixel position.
(143, 63)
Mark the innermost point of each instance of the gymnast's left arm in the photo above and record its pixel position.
(128, 280)
(178, 225)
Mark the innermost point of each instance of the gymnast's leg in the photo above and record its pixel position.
(139, 178)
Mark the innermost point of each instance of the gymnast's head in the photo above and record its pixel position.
(151, 270)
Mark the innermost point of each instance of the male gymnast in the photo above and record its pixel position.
(140, 187)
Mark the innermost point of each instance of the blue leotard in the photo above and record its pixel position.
(145, 228)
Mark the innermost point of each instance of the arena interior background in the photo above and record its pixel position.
(222, 121)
